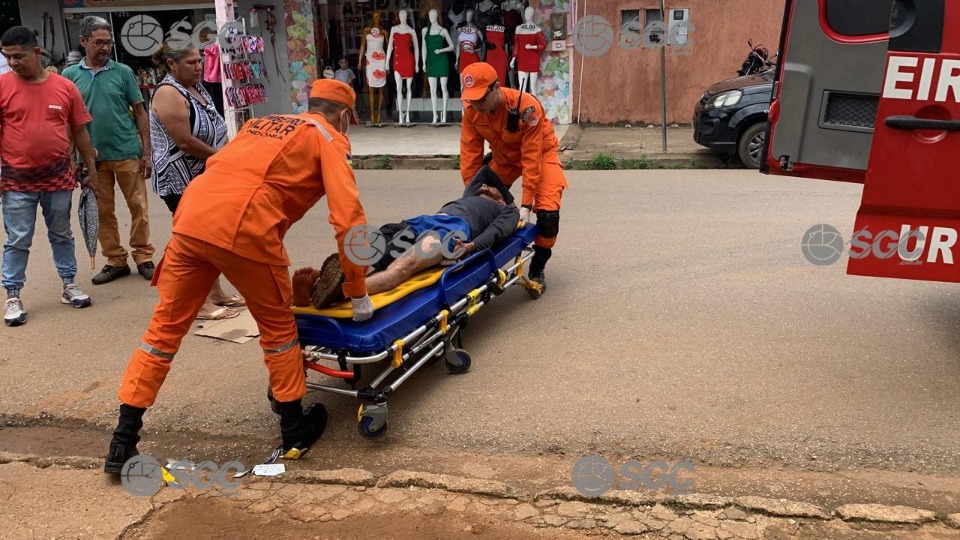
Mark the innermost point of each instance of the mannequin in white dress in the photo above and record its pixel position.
(403, 69)
(469, 43)
(436, 63)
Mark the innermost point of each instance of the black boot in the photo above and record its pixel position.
(299, 428)
(125, 439)
(540, 257)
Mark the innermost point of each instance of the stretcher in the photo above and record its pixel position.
(411, 326)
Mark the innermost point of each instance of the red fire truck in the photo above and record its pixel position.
(868, 91)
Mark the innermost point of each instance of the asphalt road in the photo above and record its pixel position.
(680, 321)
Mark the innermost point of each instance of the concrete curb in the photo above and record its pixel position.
(446, 162)
(490, 488)
(734, 507)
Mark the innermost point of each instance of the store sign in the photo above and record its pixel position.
(142, 34)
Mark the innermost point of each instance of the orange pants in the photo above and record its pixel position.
(184, 277)
(549, 190)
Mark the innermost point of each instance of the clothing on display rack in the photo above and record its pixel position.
(528, 60)
(469, 45)
(246, 95)
(376, 61)
(497, 52)
(488, 14)
(438, 65)
(403, 61)
(244, 69)
(456, 19)
(512, 18)
(211, 64)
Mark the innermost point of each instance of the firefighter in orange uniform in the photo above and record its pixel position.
(522, 143)
(232, 220)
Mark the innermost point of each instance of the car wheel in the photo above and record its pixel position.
(750, 147)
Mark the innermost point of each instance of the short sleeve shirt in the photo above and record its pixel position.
(35, 120)
(108, 94)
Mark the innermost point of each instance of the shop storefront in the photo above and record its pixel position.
(305, 39)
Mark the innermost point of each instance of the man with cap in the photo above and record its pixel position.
(522, 143)
(232, 220)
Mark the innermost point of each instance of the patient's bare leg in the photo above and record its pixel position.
(423, 255)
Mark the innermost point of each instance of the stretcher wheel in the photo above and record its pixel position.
(462, 362)
(274, 404)
(364, 427)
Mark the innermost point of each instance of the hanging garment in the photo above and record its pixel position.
(511, 20)
(438, 65)
(496, 52)
(211, 64)
(403, 54)
(490, 17)
(469, 45)
(456, 19)
(528, 60)
(376, 61)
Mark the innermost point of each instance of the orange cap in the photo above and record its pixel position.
(475, 80)
(334, 90)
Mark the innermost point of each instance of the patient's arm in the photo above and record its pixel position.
(425, 254)
(502, 227)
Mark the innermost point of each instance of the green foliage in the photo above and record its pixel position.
(456, 162)
(603, 162)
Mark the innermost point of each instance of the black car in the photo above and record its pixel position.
(731, 116)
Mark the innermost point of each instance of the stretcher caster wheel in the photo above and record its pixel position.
(372, 420)
(536, 287)
(364, 426)
(458, 362)
(274, 404)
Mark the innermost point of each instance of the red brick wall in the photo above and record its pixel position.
(623, 85)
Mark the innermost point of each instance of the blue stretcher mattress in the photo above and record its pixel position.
(395, 320)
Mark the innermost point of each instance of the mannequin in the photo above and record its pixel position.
(376, 62)
(436, 63)
(457, 15)
(487, 14)
(426, 7)
(496, 50)
(406, 61)
(527, 45)
(469, 43)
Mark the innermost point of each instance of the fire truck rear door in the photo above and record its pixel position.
(828, 80)
(912, 182)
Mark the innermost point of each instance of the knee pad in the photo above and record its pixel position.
(548, 223)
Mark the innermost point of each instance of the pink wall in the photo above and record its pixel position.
(623, 85)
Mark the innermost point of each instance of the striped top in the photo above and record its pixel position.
(173, 168)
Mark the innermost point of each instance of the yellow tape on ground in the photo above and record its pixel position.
(344, 310)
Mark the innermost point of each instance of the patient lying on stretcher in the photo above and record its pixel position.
(483, 216)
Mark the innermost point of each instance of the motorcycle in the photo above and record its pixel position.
(758, 60)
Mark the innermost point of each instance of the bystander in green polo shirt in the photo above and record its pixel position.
(109, 93)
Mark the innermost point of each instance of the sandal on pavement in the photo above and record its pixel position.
(232, 301)
(218, 314)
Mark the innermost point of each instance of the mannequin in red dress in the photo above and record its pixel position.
(529, 42)
(404, 48)
(497, 51)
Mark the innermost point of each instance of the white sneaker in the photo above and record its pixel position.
(14, 315)
(74, 296)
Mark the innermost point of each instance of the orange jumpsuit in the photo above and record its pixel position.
(532, 152)
(232, 220)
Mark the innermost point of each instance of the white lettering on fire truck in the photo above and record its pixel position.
(904, 82)
(941, 241)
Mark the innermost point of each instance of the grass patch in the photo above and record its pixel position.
(456, 163)
(382, 162)
(603, 162)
